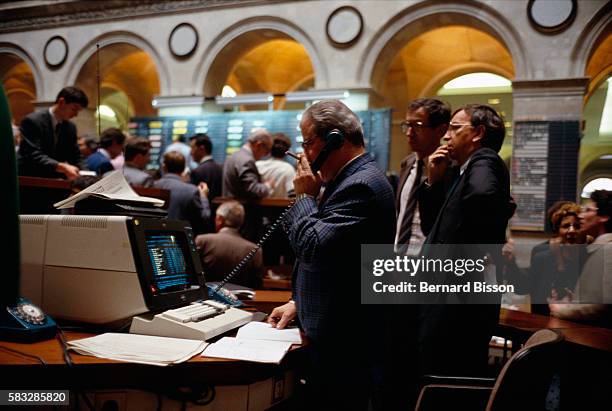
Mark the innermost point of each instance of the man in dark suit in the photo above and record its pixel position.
(48, 145)
(208, 170)
(473, 209)
(425, 124)
(187, 202)
(223, 250)
(356, 207)
(112, 142)
(240, 176)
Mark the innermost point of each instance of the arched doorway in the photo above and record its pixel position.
(260, 56)
(19, 85)
(428, 61)
(128, 82)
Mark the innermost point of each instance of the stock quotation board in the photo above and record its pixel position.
(229, 131)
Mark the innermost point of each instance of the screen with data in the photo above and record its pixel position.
(229, 131)
(170, 261)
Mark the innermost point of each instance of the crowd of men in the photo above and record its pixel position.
(454, 192)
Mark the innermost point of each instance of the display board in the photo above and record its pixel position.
(544, 169)
(229, 131)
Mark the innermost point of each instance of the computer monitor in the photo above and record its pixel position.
(102, 269)
(168, 263)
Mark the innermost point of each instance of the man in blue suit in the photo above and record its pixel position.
(357, 206)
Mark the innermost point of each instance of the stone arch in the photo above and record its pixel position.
(23, 55)
(108, 39)
(594, 32)
(445, 76)
(412, 21)
(244, 35)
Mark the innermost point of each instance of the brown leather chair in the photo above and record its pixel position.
(523, 383)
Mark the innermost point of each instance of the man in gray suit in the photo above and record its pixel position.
(222, 251)
(240, 176)
(137, 156)
(187, 202)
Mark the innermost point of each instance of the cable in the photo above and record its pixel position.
(252, 253)
(62, 339)
(36, 357)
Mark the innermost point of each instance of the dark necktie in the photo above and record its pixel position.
(406, 227)
(56, 134)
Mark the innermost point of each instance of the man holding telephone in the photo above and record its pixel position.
(326, 234)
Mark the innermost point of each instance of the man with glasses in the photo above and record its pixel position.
(356, 207)
(476, 209)
(425, 125)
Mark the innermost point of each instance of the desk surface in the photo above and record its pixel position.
(520, 324)
(88, 372)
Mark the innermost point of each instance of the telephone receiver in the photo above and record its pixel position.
(333, 141)
(25, 322)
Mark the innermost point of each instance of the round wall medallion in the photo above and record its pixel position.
(56, 51)
(344, 26)
(551, 16)
(183, 40)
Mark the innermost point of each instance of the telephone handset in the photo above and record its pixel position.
(333, 141)
(25, 322)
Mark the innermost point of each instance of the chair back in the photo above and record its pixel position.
(525, 380)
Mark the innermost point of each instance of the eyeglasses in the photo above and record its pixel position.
(587, 209)
(308, 143)
(415, 125)
(454, 127)
(567, 226)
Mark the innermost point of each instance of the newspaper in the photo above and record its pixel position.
(113, 186)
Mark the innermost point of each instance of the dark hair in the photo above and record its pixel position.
(281, 143)
(603, 199)
(73, 95)
(174, 162)
(90, 142)
(110, 136)
(180, 138)
(82, 182)
(486, 116)
(329, 115)
(438, 112)
(202, 140)
(135, 146)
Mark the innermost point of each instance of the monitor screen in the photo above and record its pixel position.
(167, 262)
(171, 271)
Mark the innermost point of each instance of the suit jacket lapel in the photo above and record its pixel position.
(404, 173)
(453, 189)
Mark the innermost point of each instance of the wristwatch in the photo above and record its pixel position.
(303, 195)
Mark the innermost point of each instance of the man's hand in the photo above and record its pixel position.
(71, 172)
(203, 188)
(305, 182)
(281, 316)
(437, 165)
(508, 250)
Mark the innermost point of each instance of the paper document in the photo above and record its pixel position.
(264, 331)
(255, 341)
(248, 350)
(143, 349)
(113, 186)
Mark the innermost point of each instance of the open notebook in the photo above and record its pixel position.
(255, 341)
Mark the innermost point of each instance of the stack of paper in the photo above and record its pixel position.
(255, 341)
(143, 349)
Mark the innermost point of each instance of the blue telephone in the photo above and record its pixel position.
(25, 322)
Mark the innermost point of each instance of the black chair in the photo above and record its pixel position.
(523, 383)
